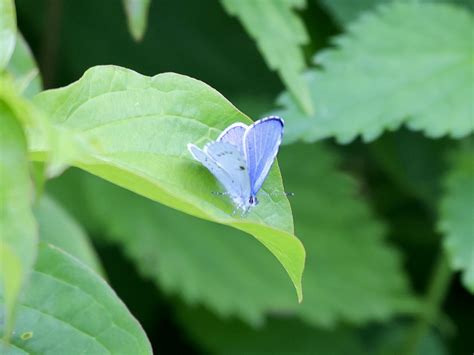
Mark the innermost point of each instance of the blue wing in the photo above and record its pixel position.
(227, 164)
(234, 134)
(261, 142)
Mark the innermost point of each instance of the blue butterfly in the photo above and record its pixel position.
(241, 158)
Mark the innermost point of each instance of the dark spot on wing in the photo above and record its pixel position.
(242, 167)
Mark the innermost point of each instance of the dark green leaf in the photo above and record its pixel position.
(68, 309)
(394, 66)
(456, 215)
(279, 34)
(279, 336)
(353, 275)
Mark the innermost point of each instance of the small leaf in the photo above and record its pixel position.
(133, 131)
(279, 34)
(58, 228)
(24, 69)
(456, 215)
(394, 66)
(137, 17)
(68, 309)
(18, 237)
(7, 31)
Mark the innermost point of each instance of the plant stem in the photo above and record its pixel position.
(437, 290)
(50, 45)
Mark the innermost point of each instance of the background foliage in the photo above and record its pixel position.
(377, 96)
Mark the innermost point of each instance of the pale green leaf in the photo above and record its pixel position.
(352, 274)
(407, 64)
(279, 336)
(68, 309)
(279, 34)
(137, 17)
(134, 132)
(24, 69)
(457, 215)
(18, 237)
(7, 31)
(58, 228)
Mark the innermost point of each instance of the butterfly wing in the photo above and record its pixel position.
(227, 164)
(261, 142)
(234, 134)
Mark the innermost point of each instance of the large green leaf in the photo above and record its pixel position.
(134, 131)
(396, 65)
(24, 69)
(456, 215)
(352, 276)
(137, 17)
(279, 34)
(7, 31)
(284, 335)
(58, 228)
(18, 237)
(68, 309)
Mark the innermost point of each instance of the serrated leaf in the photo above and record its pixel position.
(24, 69)
(279, 336)
(394, 66)
(456, 215)
(7, 31)
(352, 273)
(18, 235)
(345, 11)
(137, 17)
(279, 34)
(134, 131)
(68, 309)
(58, 228)
(354, 276)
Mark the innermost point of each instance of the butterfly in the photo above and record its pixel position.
(241, 158)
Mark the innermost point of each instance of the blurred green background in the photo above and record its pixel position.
(366, 212)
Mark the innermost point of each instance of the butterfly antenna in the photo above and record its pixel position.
(218, 193)
(280, 193)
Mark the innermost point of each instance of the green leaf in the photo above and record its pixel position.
(24, 69)
(456, 215)
(134, 132)
(279, 34)
(352, 274)
(203, 262)
(58, 228)
(137, 17)
(345, 11)
(68, 309)
(394, 66)
(7, 31)
(280, 336)
(18, 237)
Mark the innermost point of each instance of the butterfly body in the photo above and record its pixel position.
(241, 158)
